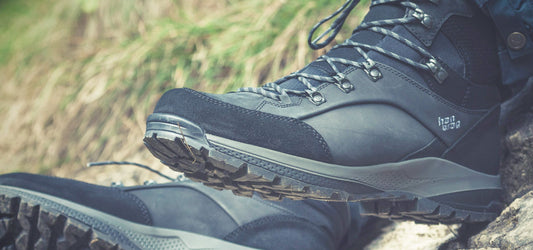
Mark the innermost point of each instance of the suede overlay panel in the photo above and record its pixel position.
(279, 133)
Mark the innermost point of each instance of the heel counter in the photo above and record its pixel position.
(479, 148)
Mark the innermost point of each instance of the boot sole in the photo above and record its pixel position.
(411, 190)
(32, 220)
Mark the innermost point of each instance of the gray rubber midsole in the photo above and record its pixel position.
(426, 177)
(141, 236)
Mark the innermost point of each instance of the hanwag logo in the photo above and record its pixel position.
(449, 123)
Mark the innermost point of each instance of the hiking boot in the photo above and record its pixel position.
(41, 212)
(402, 116)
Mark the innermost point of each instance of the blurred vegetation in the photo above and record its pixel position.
(79, 77)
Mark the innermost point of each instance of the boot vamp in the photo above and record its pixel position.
(196, 208)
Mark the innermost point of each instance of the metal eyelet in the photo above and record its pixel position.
(439, 73)
(316, 97)
(424, 18)
(347, 86)
(149, 182)
(372, 71)
(181, 178)
(117, 184)
(343, 83)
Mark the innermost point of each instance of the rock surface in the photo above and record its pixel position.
(409, 235)
(517, 163)
(512, 230)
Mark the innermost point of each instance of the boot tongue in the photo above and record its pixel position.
(379, 12)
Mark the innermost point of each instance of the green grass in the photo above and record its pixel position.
(80, 76)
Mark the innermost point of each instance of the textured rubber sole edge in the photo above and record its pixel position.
(31, 220)
(222, 168)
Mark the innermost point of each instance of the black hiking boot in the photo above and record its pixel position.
(402, 116)
(41, 212)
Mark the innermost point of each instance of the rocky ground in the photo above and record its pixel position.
(512, 230)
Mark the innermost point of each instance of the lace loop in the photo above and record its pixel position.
(104, 163)
(334, 28)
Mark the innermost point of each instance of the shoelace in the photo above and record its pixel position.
(179, 178)
(274, 91)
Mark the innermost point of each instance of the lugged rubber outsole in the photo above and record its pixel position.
(31, 220)
(184, 147)
(25, 225)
